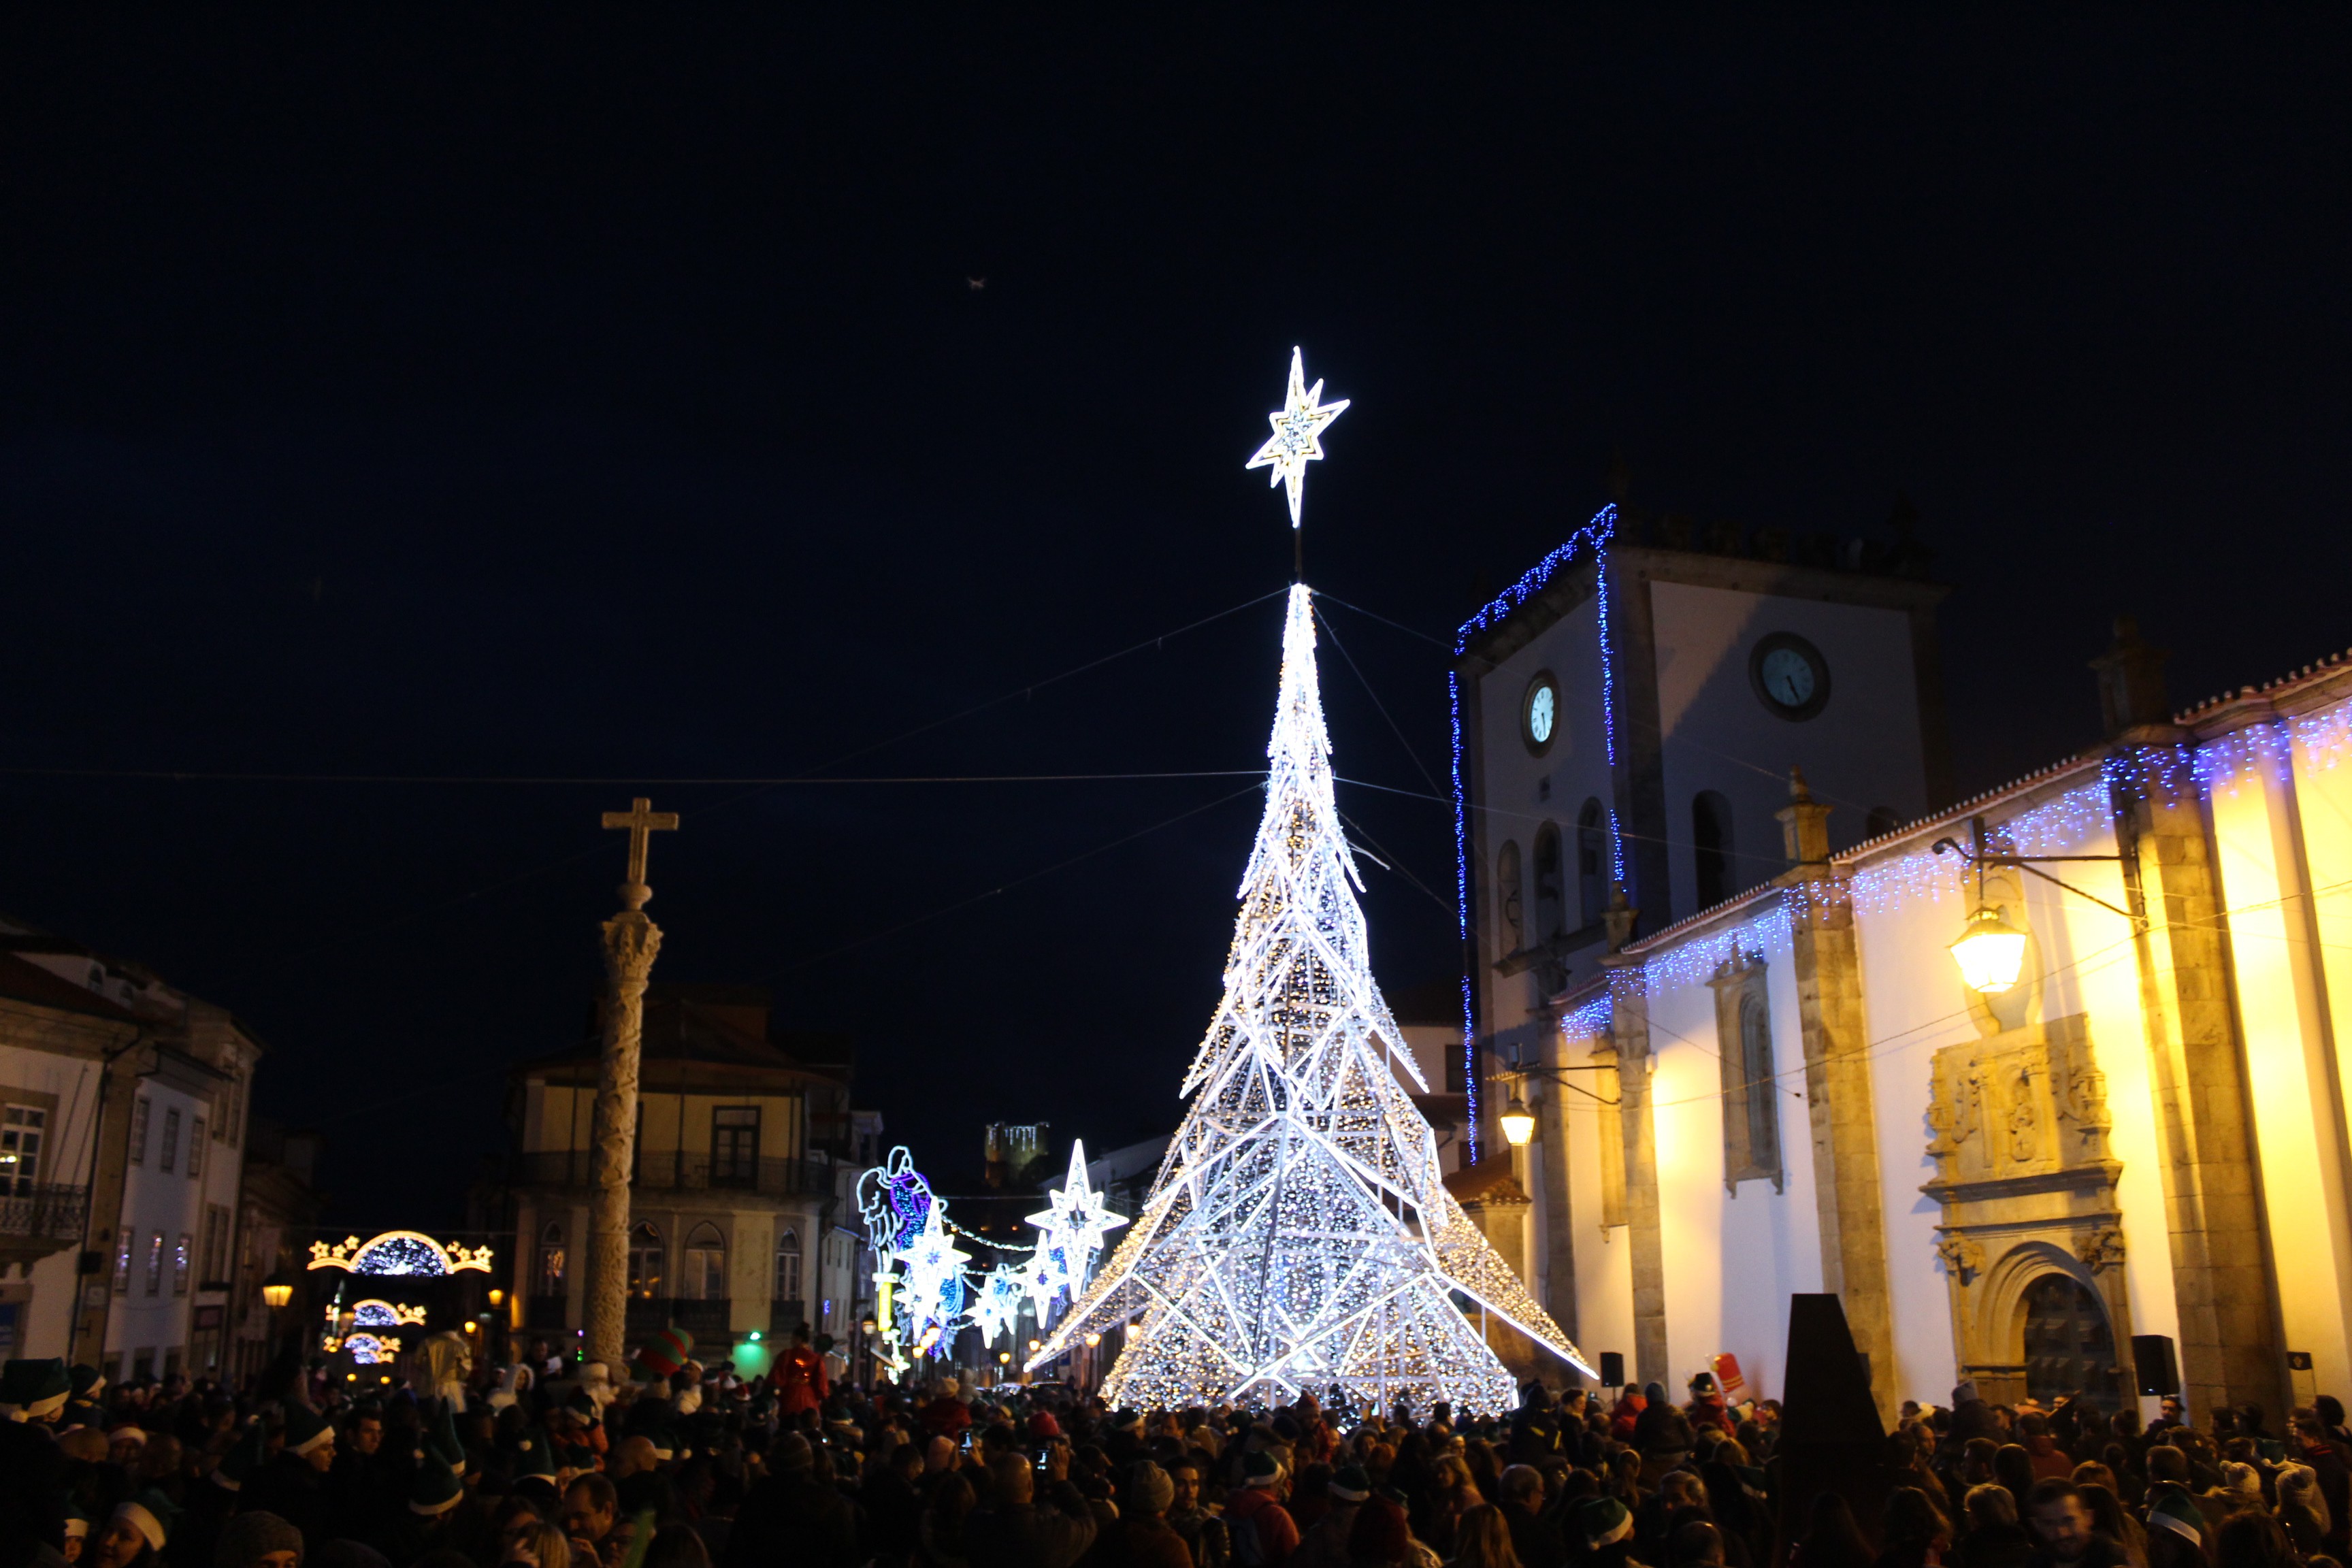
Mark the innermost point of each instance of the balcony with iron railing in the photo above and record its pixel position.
(44, 1218)
(661, 1170)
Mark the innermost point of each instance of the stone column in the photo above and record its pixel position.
(1839, 1103)
(631, 943)
(2223, 1284)
(1631, 1027)
(1558, 1241)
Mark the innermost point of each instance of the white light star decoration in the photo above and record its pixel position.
(1073, 1225)
(932, 1268)
(996, 1305)
(1297, 438)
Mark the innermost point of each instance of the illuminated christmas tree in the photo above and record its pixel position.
(1299, 1234)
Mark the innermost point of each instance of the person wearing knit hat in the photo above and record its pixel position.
(1140, 1535)
(257, 1541)
(34, 1390)
(135, 1536)
(77, 1533)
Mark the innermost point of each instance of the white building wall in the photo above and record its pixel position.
(1517, 794)
(166, 1204)
(1861, 751)
(2284, 1008)
(1732, 1260)
(1916, 1004)
(1604, 1266)
(66, 1086)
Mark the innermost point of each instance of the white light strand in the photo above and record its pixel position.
(1300, 1236)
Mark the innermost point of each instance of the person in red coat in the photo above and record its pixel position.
(801, 1382)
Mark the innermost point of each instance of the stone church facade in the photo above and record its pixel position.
(1769, 1075)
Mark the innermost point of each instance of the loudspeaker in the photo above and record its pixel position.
(2159, 1375)
(1612, 1369)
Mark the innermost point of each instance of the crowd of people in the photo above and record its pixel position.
(543, 1464)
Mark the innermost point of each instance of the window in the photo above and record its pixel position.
(122, 1264)
(1508, 900)
(1550, 918)
(197, 1150)
(550, 1261)
(645, 1261)
(183, 1258)
(788, 1266)
(170, 1150)
(138, 1131)
(1751, 1094)
(735, 1146)
(155, 1264)
(233, 1108)
(215, 1258)
(22, 1130)
(706, 1263)
(1711, 846)
(1591, 863)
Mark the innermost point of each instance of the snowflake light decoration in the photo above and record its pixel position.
(1297, 438)
(996, 1305)
(1074, 1223)
(1299, 1234)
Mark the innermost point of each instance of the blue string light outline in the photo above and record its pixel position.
(1591, 541)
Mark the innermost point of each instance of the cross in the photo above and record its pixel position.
(643, 822)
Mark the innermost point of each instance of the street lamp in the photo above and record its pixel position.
(498, 1296)
(1518, 1122)
(1989, 952)
(277, 1291)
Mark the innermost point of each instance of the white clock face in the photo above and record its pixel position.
(1541, 710)
(1788, 676)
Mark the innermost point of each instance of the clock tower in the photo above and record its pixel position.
(1630, 711)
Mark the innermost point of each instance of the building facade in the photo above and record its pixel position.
(1795, 1087)
(742, 1218)
(122, 1113)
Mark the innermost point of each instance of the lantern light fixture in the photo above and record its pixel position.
(1990, 951)
(1518, 1122)
(277, 1291)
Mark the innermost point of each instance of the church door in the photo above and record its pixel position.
(2069, 1346)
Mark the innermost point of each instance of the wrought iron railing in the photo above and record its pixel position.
(43, 1213)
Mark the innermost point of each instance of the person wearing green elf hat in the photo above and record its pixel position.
(293, 1484)
(32, 1465)
(434, 1493)
(34, 1390)
(137, 1533)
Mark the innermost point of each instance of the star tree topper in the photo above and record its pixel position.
(1297, 438)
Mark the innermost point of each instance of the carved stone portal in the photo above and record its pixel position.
(2018, 1129)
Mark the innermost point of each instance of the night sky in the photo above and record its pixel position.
(519, 396)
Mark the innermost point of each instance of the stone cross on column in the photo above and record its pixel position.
(631, 943)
